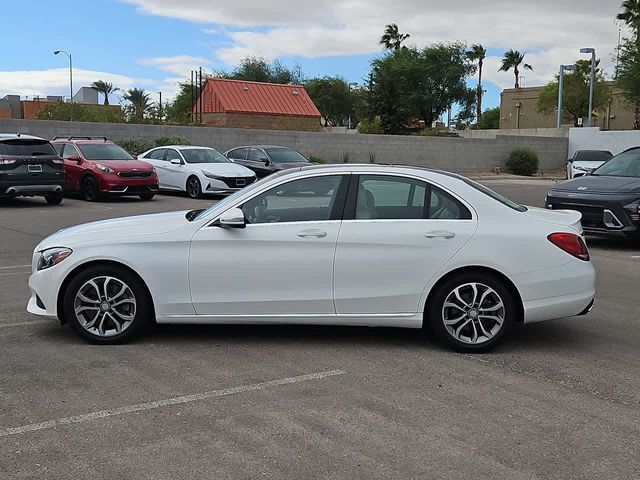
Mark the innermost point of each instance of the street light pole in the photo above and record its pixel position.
(592, 81)
(56, 52)
(563, 68)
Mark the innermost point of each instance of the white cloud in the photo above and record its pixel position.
(551, 31)
(179, 65)
(55, 81)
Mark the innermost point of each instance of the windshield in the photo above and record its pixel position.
(285, 155)
(26, 148)
(203, 155)
(104, 151)
(627, 164)
(495, 195)
(593, 156)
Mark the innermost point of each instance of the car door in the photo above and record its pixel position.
(258, 161)
(73, 167)
(176, 174)
(396, 234)
(280, 264)
(156, 158)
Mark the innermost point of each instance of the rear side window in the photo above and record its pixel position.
(387, 197)
(238, 154)
(26, 148)
(443, 206)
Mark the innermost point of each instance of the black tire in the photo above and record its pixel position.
(89, 189)
(194, 189)
(147, 196)
(435, 312)
(54, 198)
(140, 310)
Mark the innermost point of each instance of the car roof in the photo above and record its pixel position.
(82, 139)
(181, 147)
(391, 168)
(262, 146)
(14, 136)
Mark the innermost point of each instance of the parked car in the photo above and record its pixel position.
(267, 159)
(30, 166)
(97, 167)
(608, 198)
(197, 170)
(584, 162)
(385, 246)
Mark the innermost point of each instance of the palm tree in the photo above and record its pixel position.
(392, 38)
(477, 54)
(105, 88)
(630, 14)
(139, 100)
(513, 59)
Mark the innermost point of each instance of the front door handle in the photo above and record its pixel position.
(312, 233)
(440, 234)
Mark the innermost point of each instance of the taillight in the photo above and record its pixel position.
(570, 243)
(8, 161)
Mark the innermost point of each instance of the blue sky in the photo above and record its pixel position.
(154, 43)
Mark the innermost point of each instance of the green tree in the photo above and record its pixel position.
(392, 39)
(512, 59)
(478, 53)
(490, 119)
(628, 69)
(105, 88)
(333, 98)
(575, 98)
(419, 84)
(139, 104)
(256, 69)
(180, 109)
(630, 14)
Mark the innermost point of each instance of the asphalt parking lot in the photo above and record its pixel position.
(557, 400)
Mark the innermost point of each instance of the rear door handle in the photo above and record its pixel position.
(440, 234)
(312, 233)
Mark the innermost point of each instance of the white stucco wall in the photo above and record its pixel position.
(615, 141)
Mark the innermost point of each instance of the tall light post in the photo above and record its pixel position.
(592, 82)
(563, 68)
(56, 52)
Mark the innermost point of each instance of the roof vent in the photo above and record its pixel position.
(245, 88)
(295, 92)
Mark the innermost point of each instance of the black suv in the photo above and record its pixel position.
(30, 166)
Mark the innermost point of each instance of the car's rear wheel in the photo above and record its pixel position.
(147, 196)
(472, 312)
(54, 198)
(89, 189)
(106, 304)
(194, 189)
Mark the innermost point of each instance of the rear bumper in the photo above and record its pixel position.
(40, 188)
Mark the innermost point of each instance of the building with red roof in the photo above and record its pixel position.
(242, 104)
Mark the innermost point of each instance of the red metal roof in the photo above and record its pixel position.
(223, 95)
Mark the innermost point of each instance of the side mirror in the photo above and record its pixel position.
(176, 161)
(232, 218)
(74, 158)
(264, 160)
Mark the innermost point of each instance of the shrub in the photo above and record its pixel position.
(370, 126)
(135, 146)
(161, 141)
(315, 159)
(523, 161)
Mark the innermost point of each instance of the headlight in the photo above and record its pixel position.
(52, 256)
(104, 168)
(209, 175)
(633, 209)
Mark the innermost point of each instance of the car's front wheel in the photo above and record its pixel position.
(89, 189)
(472, 312)
(107, 304)
(194, 189)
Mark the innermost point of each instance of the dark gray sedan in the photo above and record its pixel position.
(267, 159)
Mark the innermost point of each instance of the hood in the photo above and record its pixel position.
(569, 218)
(224, 169)
(597, 184)
(108, 230)
(125, 165)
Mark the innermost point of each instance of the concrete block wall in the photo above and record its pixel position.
(453, 154)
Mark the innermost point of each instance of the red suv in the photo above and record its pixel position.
(96, 167)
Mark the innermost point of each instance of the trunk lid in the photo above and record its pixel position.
(565, 218)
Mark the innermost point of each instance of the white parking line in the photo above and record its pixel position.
(14, 273)
(21, 324)
(15, 266)
(89, 417)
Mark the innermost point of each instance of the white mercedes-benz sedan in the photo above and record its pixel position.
(343, 244)
(197, 170)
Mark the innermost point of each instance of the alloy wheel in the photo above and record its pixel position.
(193, 187)
(105, 306)
(89, 189)
(473, 313)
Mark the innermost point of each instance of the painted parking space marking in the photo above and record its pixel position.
(15, 267)
(89, 417)
(22, 324)
(14, 273)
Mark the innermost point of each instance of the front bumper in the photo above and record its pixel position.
(115, 185)
(226, 185)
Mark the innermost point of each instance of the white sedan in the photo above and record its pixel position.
(197, 170)
(338, 244)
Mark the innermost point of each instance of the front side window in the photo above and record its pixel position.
(304, 200)
(203, 155)
(69, 150)
(387, 197)
(256, 155)
(104, 151)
